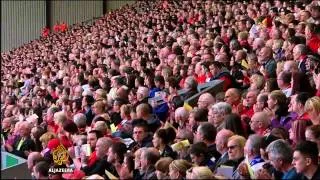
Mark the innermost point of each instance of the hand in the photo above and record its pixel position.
(71, 152)
(269, 112)
(84, 158)
(8, 147)
(316, 79)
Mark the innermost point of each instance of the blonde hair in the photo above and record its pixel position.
(258, 80)
(181, 166)
(279, 96)
(313, 104)
(46, 137)
(241, 141)
(202, 172)
(126, 109)
(60, 117)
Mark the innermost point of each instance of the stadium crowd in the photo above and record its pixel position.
(110, 93)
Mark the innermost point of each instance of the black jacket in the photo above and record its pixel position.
(27, 145)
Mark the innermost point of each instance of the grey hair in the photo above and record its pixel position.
(222, 108)
(302, 48)
(255, 143)
(80, 120)
(192, 83)
(281, 149)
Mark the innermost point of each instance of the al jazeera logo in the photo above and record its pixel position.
(60, 157)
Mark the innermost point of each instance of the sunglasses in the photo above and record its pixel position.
(232, 147)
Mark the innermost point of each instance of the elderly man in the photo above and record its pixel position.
(181, 116)
(217, 114)
(191, 85)
(222, 146)
(254, 161)
(250, 100)
(260, 123)
(148, 159)
(24, 144)
(280, 155)
(265, 58)
(300, 56)
(205, 100)
(233, 97)
(142, 95)
(101, 164)
(81, 121)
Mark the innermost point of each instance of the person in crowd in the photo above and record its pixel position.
(148, 159)
(235, 146)
(23, 145)
(206, 133)
(217, 114)
(260, 123)
(178, 168)
(162, 167)
(222, 146)
(76, 84)
(41, 170)
(313, 133)
(160, 141)
(200, 172)
(305, 160)
(280, 156)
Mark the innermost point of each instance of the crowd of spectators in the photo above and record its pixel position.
(111, 93)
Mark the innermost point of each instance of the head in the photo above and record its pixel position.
(200, 172)
(162, 167)
(260, 121)
(178, 168)
(102, 147)
(142, 93)
(93, 137)
(181, 116)
(265, 54)
(305, 155)
(297, 131)
(298, 51)
(206, 132)
(218, 112)
(149, 157)
(280, 154)
(205, 100)
(116, 152)
(253, 145)
(313, 134)
(140, 131)
(232, 96)
(190, 83)
(160, 138)
(222, 140)
(41, 170)
(312, 107)
(236, 145)
(276, 98)
(143, 111)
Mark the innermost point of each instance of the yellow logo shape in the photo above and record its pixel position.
(60, 155)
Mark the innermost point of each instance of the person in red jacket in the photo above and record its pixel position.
(312, 33)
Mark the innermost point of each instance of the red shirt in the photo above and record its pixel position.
(92, 158)
(201, 79)
(314, 43)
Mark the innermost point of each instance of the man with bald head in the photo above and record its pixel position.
(290, 66)
(205, 100)
(233, 97)
(265, 58)
(222, 146)
(260, 123)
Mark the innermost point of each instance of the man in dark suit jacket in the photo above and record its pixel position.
(221, 145)
(24, 144)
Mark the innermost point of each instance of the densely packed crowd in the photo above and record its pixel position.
(108, 93)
